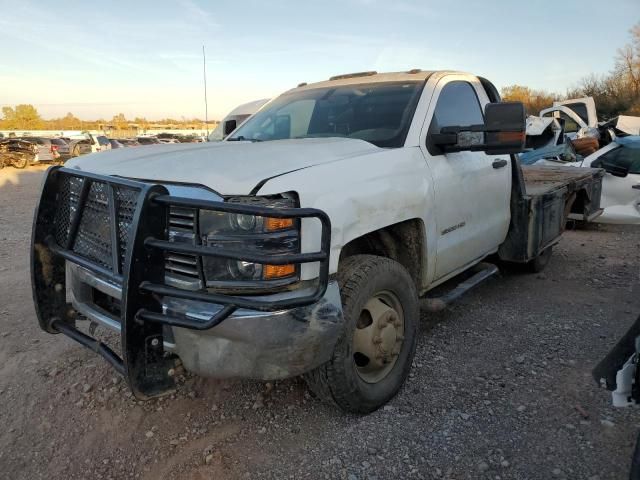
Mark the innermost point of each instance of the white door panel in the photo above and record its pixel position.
(472, 197)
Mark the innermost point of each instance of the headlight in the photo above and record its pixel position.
(250, 233)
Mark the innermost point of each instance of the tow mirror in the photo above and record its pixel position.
(502, 132)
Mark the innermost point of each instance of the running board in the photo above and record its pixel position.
(438, 303)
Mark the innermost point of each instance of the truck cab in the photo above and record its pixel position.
(304, 242)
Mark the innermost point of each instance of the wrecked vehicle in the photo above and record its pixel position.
(613, 145)
(302, 243)
(88, 143)
(620, 186)
(17, 152)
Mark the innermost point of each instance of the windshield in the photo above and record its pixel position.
(379, 113)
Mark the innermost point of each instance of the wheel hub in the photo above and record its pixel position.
(378, 337)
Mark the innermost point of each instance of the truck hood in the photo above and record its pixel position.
(229, 168)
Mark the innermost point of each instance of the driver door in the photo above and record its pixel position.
(472, 189)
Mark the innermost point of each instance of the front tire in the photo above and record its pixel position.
(373, 356)
(539, 263)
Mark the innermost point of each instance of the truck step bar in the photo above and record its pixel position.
(437, 303)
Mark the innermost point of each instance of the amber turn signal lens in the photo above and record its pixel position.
(510, 136)
(278, 271)
(273, 224)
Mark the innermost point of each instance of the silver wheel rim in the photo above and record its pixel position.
(378, 337)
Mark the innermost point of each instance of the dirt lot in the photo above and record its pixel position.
(500, 388)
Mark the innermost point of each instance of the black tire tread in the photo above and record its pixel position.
(324, 381)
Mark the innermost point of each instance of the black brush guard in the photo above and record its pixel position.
(133, 257)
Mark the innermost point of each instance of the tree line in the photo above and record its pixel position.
(615, 93)
(26, 117)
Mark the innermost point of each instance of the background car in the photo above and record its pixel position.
(102, 143)
(128, 142)
(234, 118)
(148, 140)
(62, 147)
(79, 147)
(47, 151)
(17, 152)
(115, 143)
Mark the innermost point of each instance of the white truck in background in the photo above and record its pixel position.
(304, 242)
(234, 118)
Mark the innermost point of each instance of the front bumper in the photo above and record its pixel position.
(116, 231)
(248, 344)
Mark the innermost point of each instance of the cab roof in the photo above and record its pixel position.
(371, 77)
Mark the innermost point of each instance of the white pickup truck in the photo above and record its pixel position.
(302, 243)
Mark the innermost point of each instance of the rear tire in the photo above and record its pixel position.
(381, 316)
(539, 263)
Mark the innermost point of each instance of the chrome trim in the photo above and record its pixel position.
(85, 276)
(92, 313)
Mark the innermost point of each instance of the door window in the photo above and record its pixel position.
(457, 105)
(570, 125)
(580, 109)
(625, 157)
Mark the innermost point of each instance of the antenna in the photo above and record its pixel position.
(206, 106)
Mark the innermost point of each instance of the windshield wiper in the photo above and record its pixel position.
(240, 138)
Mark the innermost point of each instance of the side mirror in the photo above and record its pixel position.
(503, 132)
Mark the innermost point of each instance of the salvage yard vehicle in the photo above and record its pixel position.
(302, 243)
(620, 197)
(62, 147)
(115, 143)
(88, 143)
(47, 152)
(148, 140)
(17, 152)
(235, 118)
(128, 142)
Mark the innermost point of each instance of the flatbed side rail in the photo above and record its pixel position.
(119, 230)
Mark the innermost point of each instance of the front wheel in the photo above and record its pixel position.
(374, 353)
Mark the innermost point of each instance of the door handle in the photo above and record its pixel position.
(501, 162)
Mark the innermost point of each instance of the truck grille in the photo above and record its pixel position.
(182, 228)
(95, 242)
(94, 238)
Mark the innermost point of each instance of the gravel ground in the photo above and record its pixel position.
(500, 387)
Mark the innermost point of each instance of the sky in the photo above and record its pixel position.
(144, 58)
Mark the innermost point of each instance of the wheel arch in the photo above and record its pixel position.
(404, 242)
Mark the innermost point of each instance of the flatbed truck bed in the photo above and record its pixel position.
(542, 200)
